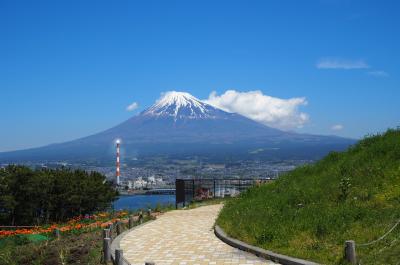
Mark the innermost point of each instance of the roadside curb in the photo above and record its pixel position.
(279, 258)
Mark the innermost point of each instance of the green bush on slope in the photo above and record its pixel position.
(311, 211)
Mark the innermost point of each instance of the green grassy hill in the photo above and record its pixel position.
(311, 211)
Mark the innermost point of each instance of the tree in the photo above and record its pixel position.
(51, 195)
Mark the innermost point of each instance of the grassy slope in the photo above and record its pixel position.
(310, 212)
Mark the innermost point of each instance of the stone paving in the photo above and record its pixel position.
(183, 237)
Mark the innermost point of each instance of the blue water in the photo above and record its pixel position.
(136, 202)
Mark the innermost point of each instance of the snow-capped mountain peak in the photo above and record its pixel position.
(180, 105)
(179, 99)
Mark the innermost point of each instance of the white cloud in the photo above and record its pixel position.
(378, 73)
(339, 63)
(337, 127)
(271, 111)
(132, 106)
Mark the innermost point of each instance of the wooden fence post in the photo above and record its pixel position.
(130, 224)
(119, 257)
(140, 217)
(106, 233)
(106, 250)
(350, 252)
(57, 233)
(119, 228)
(110, 230)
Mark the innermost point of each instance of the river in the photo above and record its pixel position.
(135, 202)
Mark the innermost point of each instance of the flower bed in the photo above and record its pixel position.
(75, 224)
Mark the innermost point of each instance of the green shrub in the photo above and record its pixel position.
(42, 196)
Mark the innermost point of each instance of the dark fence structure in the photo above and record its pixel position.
(189, 190)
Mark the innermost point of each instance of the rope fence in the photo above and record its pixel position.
(350, 245)
(380, 238)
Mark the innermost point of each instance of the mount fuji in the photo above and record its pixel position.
(178, 124)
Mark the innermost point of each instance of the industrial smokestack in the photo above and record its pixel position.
(118, 142)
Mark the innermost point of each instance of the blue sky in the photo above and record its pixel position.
(70, 68)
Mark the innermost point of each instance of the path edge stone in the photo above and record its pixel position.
(269, 255)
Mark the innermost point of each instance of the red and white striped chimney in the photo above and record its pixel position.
(118, 162)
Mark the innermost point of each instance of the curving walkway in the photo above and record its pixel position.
(183, 237)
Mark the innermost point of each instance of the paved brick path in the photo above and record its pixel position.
(183, 237)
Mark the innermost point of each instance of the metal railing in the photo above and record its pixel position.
(189, 190)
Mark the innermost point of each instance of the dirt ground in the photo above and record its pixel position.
(84, 248)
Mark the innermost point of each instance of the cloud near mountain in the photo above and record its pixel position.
(337, 127)
(132, 106)
(274, 112)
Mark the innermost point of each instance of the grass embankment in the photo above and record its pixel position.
(311, 211)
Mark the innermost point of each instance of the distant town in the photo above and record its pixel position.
(147, 176)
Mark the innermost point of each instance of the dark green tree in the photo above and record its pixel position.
(50, 195)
